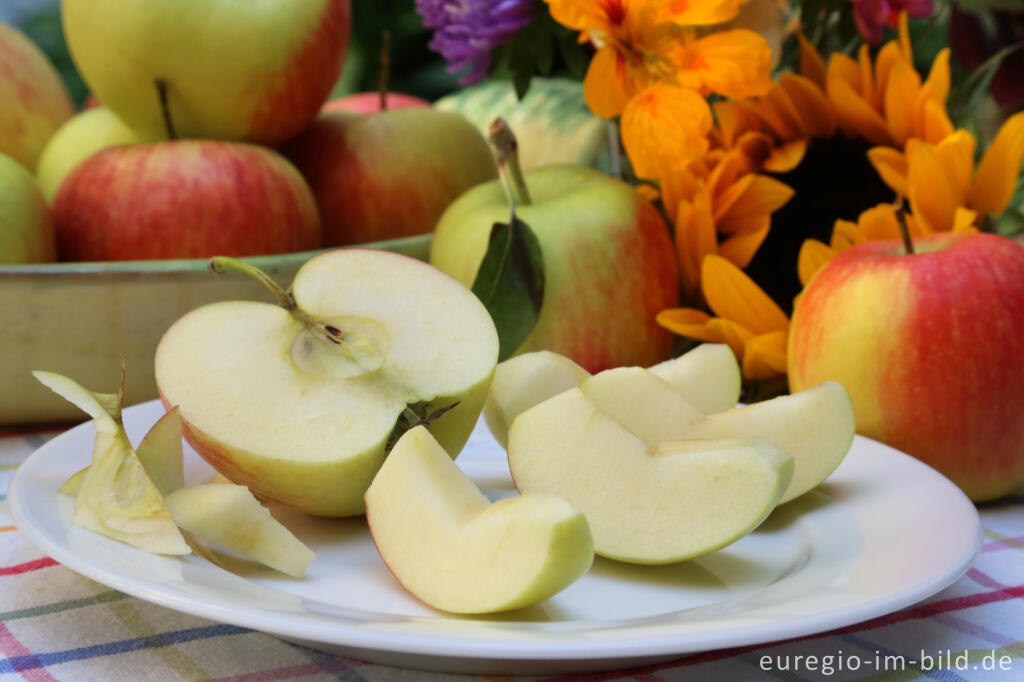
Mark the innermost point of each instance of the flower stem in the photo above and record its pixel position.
(901, 219)
(165, 108)
(222, 264)
(507, 154)
(385, 68)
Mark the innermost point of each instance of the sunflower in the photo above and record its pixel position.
(850, 139)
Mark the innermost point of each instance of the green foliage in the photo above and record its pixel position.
(542, 48)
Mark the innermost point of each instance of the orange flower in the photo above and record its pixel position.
(663, 127)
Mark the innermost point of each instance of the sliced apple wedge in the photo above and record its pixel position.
(161, 455)
(647, 500)
(71, 486)
(523, 381)
(450, 547)
(708, 377)
(229, 515)
(115, 497)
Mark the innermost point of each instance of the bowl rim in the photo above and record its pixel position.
(269, 262)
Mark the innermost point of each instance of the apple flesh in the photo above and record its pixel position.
(275, 405)
(929, 347)
(369, 102)
(183, 199)
(249, 71)
(26, 230)
(79, 138)
(448, 545)
(35, 101)
(609, 263)
(649, 496)
(708, 377)
(390, 174)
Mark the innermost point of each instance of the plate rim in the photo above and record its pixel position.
(309, 629)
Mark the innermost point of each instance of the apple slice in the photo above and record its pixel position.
(523, 381)
(449, 546)
(300, 401)
(115, 497)
(229, 515)
(708, 376)
(160, 453)
(71, 486)
(647, 501)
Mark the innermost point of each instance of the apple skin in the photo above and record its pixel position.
(235, 70)
(930, 347)
(369, 102)
(26, 231)
(35, 101)
(79, 138)
(183, 199)
(389, 174)
(609, 263)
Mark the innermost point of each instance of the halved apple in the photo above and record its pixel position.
(649, 497)
(300, 401)
(448, 545)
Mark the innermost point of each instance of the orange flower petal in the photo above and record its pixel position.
(764, 356)
(932, 196)
(695, 238)
(734, 120)
(855, 114)
(701, 12)
(844, 235)
(867, 78)
(812, 66)
(963, 220)
(756, 149)
(842, 67)
(813, 257)
(679, 185)
(904, 32)
(937, 83)
(740, 248)
(759, 198)
(899, 101)
(786, 157)
(735, 63)
(887, 58)
(956, 156)
(891, 166)
(606, 86)
(697, 324)
(878, 223)
(999, 169)
(731, 294)
(664, 127)
(935, 125)
(816, 113)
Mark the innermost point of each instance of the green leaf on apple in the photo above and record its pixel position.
(510, 283)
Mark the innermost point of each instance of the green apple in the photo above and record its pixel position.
(26, 230)
(707, 377)
(300, 401)
(253, 71)
(388, 174)
(229, 515)
(33, 99)
(611, 448)
(609, 263)
(448, 545)
(79, 138)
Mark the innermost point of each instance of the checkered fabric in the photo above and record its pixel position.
(57, 625)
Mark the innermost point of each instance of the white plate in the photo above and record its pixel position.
(884, 532)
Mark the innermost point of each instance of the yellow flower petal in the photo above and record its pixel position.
(697, 324)
(891, 166)
(899, 101)
(764, 356)
(963, 220)
(844, 235)
(867, 78)
(734, 63)
(856, 115)
(810, 101)
(606, 87)
(786, 157)
(813, 257)
(937, 83)
(731, 294)
(878, 223)
(740, 248)
(904, 31)
(701, 12)
(734, 120)
(812, 66)
(936, 125)
(886, 60)
(956, 158)
(677, 186)
(932, 195)
(664, 127)
(695, 238)
(758, 198)
(999, 169)
(778, 112)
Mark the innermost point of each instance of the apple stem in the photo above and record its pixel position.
(506, 151)
(221, 264)
(901, 219)
(385, 67)
(165, 108)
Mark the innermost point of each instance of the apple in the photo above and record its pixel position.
(34, 100)
(300, 401)
(609, 263)
(448, 545)
(183, 199)
(26, 231)
(369, 102)
(390, 174)
(615, 448)
(79, 138)
(707, 376)
(231, 70)
(929, 347)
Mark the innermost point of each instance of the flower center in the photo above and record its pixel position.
(834, 180)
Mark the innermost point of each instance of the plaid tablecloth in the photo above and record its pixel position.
(57, 625)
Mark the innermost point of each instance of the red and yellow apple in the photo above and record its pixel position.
(369, 102)
(609, 264)
(389, 174)
(33, 99)
(26, 231)
(930, 347)
(254, 71)
(183, 199)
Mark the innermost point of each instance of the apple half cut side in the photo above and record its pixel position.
(300, 401)
(448, 545)
(648, 501)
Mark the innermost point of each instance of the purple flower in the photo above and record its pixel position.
(872, 15)
(465, 31)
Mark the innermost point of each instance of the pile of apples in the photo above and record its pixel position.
(214, 137)
(355, 392)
